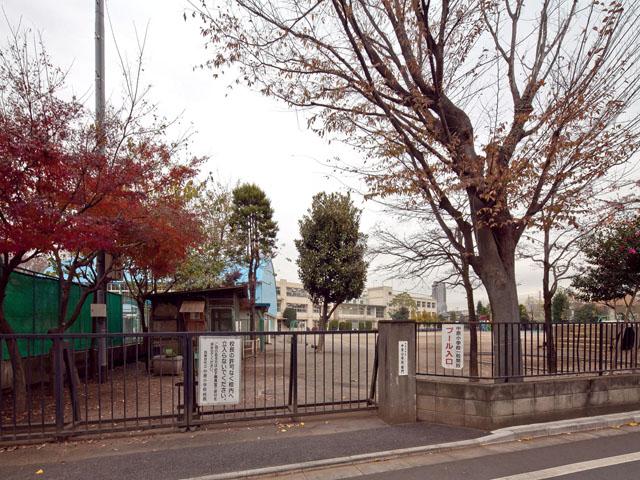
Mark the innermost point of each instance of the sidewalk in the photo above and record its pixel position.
(230, 448)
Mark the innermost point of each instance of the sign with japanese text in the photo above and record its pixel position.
(219, 366)
(403, 358)
(452, 346)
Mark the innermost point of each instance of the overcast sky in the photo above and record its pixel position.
(246, 136)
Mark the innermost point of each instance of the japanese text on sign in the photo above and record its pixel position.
(219, 365)
(452, 346)
(403, 358)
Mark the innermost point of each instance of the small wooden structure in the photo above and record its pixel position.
(193, 317)
(212, 309)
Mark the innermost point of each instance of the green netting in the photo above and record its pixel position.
(31, 306)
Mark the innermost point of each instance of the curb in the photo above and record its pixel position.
(503, 435)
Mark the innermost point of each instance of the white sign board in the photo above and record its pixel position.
(403, 358)
(219, 366)
(452, 346)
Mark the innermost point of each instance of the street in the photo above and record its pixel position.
(225, 448)
(608, 453)
(613, 454)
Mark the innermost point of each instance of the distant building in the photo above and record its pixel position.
(439, 292)
(373, 305)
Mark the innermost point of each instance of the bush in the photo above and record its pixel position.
(361, 326)
(344, 326)
(368, 325)
(333, 325)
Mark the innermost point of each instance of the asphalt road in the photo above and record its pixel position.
(612, 457)
(185, 458)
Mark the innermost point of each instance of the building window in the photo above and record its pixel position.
(350, 309)
(298, 307)
(371, 311)
(297, 292)
(316, 309)
(278, 291)
(279, 305)
(379, 312)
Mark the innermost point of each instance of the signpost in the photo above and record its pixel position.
(219, 367)
(452, 346)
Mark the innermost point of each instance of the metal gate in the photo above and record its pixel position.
(150, 380)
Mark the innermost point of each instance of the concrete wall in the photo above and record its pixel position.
(491, 406)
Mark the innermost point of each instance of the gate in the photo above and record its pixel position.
(151, 379)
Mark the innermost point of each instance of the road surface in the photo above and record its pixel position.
(604, 456)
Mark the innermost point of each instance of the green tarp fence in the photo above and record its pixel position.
(31, 306)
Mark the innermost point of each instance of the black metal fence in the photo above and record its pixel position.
(150, 381)
(532, 349)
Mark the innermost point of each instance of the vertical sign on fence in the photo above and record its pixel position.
(452, 346)
(403, 358)
(219, 366)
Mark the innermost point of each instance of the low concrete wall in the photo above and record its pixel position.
(491, 406)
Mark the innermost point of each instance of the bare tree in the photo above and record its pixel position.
(505, 103)
(428, 252)
(555, 249)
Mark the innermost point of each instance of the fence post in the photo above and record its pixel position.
(293, 375)
(397, 371)
(58, 387)
(374, 376)
(600, 347)
(188, 383)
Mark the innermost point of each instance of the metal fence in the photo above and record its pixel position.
(151, 379)
(532, 349)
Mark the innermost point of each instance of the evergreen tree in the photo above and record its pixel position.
(252, 223)
(331, 252)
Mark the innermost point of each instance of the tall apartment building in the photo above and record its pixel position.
(372, 306)
(439, 292)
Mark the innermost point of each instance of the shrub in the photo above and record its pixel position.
(368, 325)
(344, 326)
(333, 325)
(361, 326)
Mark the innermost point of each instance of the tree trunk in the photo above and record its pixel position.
(550, 343)
(145, 329)
(495, 265)
(252, 297)
(17, 365)
(322, 325)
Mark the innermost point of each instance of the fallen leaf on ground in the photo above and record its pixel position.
(39, 472)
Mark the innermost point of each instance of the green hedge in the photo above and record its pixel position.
(368, 325)
(333, 325)
(361, 326)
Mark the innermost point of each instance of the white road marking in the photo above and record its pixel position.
(574, 467)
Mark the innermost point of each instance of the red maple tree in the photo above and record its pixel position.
(69, 192)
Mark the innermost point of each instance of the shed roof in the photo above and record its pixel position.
(192, 306)
(240, 290)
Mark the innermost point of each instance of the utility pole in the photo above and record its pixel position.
(101, 300)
